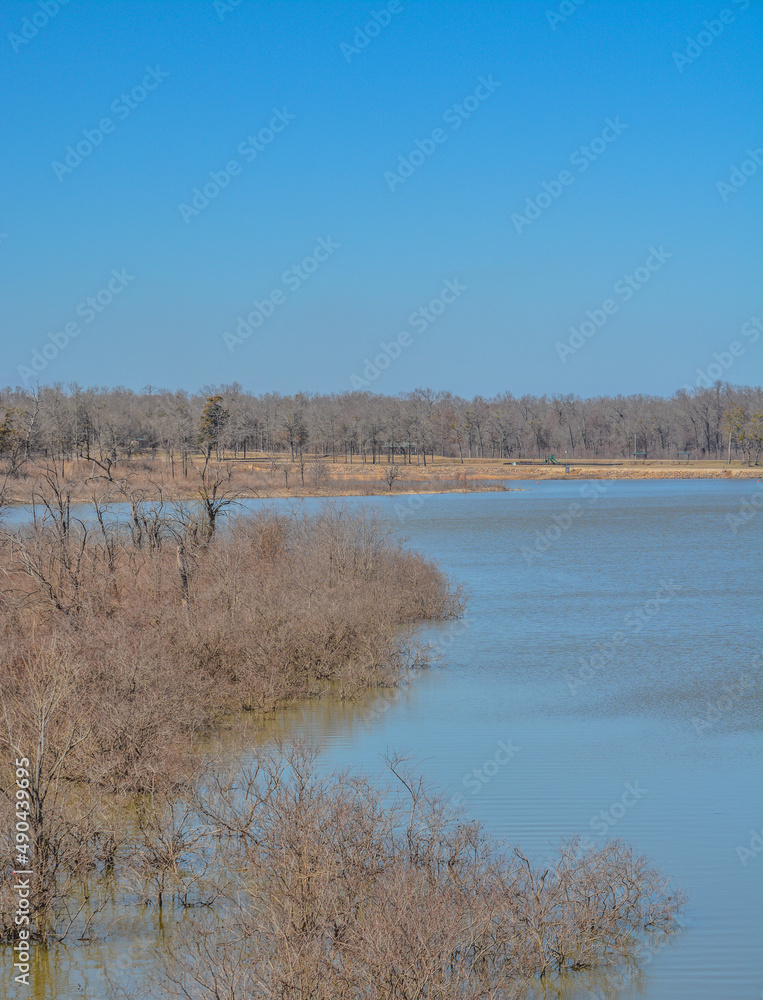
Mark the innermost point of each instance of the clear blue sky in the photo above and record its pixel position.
(202, 77)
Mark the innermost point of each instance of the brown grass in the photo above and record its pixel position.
(268, 476)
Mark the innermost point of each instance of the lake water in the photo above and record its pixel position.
(605, 682)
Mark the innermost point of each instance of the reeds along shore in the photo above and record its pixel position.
(126, 639)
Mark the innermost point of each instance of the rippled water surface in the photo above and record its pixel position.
(623, 658)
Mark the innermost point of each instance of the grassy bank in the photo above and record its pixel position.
(270, 476)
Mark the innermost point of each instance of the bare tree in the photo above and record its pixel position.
(48, 737)
(215, 495)
(391, 474)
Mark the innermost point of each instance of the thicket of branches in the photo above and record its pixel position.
(346, 888)
(108, 425)
(125, 639)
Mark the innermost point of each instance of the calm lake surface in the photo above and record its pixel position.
(656, 740)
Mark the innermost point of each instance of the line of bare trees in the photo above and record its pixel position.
(104, 426)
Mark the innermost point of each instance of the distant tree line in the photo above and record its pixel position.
(109, 425)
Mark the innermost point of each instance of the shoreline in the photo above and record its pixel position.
(359, 480)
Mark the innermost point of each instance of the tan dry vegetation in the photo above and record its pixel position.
(346, 888)
(161, 623)
(124, 642)
(276, 476)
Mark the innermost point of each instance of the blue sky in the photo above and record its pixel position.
(644, 107)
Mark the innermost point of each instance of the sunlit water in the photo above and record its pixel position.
(656, 741)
